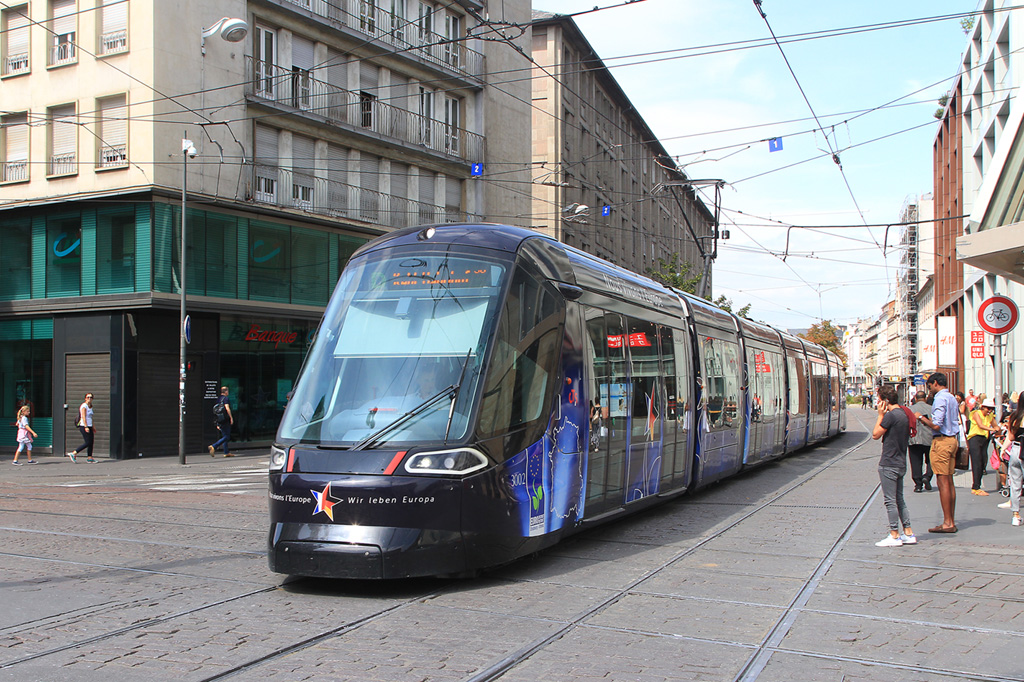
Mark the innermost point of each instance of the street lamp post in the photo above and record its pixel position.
(188, 151)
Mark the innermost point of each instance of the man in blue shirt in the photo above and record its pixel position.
(945, 422)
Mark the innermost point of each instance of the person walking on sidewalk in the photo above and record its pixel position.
(920, 469)
(945, 425)
(1012, 447)
(224, 421)
(87, 428)
(893, 427)
(983, 426)
(25, 435)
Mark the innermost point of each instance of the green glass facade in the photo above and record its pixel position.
(100, 252)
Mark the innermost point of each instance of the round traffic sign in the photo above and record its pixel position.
(188, 329)
(998, 315)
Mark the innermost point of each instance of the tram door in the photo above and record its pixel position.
(647, 410)
(610, 392)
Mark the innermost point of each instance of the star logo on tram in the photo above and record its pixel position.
(324, 502)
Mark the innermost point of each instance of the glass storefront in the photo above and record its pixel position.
(259, 360)
(26, 378)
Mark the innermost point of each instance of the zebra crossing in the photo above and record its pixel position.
(240, 481)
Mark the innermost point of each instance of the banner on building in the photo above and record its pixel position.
(946, 329)
(929, 341)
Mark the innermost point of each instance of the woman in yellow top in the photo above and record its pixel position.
(983, 426)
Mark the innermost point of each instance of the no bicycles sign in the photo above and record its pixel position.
(998, 315)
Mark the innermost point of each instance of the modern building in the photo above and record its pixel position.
(993, 160)
(315, 126)
(917, 259)
(602, 181)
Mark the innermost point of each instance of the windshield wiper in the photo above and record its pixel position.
(414, 412)
(455, 394)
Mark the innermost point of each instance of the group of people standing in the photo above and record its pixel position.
(930, 435)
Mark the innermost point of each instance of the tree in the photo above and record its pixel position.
(677, 275)
(825, 334)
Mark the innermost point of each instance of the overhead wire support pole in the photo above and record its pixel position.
(708, 255)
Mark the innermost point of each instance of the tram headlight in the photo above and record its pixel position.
(458, 462)
(278, 458)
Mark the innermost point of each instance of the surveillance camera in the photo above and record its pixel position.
(191, 151)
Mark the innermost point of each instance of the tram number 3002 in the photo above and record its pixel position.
(516, 480)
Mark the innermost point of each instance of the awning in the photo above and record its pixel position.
(999, 251)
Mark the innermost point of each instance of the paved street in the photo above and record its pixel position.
(145, 570)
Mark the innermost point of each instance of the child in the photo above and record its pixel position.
(25, 436)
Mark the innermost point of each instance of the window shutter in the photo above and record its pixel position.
(266, 146)
(113, 121)
(399, 180)
(369, 172)
(337, 176)
(17, 32)
(302, 53)
(369, 77)
(16, 133)
(303, 153)
(115, 16)
(453, 194)
(64, 18)
(63, 131)
(337, 69)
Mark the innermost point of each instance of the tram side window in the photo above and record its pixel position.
(643, 354)
(797, 385)
(721, 381)
(819, 388)
(524, 362)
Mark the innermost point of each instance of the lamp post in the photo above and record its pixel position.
(188, 151)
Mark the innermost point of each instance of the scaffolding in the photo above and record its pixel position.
(908, 282)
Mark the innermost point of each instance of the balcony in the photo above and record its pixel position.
(15, 171)
(392, 29)
(63, 164)
(15, 64)
(114, 156)
(299, 90)
(113, 42)
(332, 199)
(63, 50)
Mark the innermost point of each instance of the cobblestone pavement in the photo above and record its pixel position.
(146, 570)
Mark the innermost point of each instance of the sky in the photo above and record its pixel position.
(839, 86)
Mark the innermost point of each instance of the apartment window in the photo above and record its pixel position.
(397, 19)
(366, 101)
(303, 165)
(63, 23)
(264, 54)
(452, 106)
(368, 16)
(63, 141)
(425, 23)
(113, 27)
(15, 147)
(426, 112)
(453, 33)
(267, 160)
(302, 67)
(112, 129)
(15, 37)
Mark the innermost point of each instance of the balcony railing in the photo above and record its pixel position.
(296, 88)
(405, 34)
(114, 156)
(64, 164)
(340, 200)
(15, 63)
(15, 171)
(63, 52)
(113, 42)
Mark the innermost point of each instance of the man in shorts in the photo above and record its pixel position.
(945, 424)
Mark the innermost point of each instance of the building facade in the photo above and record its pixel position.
(325, 125)
(602, 181)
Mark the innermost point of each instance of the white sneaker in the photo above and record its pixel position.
(890, 541)
(1004, 505)
(1015, 521)
(908, 539)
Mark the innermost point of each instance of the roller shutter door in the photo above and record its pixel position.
(88, 373)
(158, 405)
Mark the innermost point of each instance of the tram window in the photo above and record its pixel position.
(643, 355)
(525, 357)
(721, 381)
(797, 385)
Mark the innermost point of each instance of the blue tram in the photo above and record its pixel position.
(477, 392)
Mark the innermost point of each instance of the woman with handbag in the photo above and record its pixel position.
(1012, 447)
(983, 425)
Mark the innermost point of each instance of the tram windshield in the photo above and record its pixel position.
(397, 357)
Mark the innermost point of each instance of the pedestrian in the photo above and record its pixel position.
(893, 427)
(224, 420)
(920, 469)
(87, 427)
(971, 399)
(983, 426)
(864, 401)
(945, 426)
(1012, 448)
(25, 435)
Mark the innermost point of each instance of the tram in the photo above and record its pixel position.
(475, 393)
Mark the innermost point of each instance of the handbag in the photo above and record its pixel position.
(963, 459)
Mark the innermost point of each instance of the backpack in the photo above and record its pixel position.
(220, 413)
(912, 419)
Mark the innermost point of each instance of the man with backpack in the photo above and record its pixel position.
(224, 420)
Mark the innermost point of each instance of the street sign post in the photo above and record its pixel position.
(998, 315)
